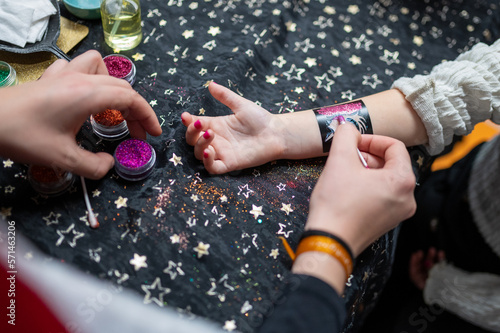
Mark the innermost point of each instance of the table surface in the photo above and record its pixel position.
(285, 55)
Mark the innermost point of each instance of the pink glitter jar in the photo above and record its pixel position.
(121, 67)
(134, 159)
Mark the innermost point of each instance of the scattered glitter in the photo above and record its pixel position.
(109, 117)
(133, 153)
(45, 174)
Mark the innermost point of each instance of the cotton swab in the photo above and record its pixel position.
(92, 219)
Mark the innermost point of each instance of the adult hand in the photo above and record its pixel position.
(354, 203)
(40, 119)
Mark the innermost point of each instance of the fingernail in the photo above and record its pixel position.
(206, 135)
(205, 154)
(197, 124)
(341, 119)
(183, 121)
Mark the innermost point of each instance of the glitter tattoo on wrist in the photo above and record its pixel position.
(134, 159)
(354, 112)
(49, 181)
(121, 67)
(109, 125)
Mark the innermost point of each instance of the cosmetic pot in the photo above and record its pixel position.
(49, 181)
(134, 159)
(121, 67)
(8, 75)
(109, 125)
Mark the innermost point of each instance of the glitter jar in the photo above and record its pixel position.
(134, 159)
(8, 75)
(49, 181)
(121, 67)
(109, 125)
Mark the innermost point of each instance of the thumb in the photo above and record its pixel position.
(345, 144)
(227, 96)
(90, 165)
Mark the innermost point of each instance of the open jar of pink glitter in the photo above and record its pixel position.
(134, 159)
(121, 67)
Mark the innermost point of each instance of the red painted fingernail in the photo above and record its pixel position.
(206, 135)
(341, 119)
(197, 124)
(205, 154)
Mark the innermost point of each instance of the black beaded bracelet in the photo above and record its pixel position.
(308, 233)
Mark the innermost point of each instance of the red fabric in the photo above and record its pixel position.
(29, 312)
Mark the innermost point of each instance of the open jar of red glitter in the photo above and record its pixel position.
(134, 159)
(109, 125)
(121, 67)
(49, 181)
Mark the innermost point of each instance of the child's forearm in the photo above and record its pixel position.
(390, 114)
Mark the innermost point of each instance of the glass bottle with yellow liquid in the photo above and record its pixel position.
(121, 23)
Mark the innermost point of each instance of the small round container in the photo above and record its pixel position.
(84, 9)
(134, 159)
(48, 181)
(8, 75)
(109, 125)
(121, 67)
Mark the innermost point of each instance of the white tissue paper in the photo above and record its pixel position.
(26, 22)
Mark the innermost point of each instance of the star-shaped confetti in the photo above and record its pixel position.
(286, 208)
(138, 262)
(155, 286)
(256, 211)
(202, 249)
(121, 202)
(138, 56)
(175, 239)
(70, 230)
(8, 163)
(274, 253)
(229, 325)
(176, 159)
(52, 218)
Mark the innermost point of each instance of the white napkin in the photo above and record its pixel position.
(25, 22)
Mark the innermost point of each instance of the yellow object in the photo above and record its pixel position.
(482, 132)
(30, 67)
(121, 23)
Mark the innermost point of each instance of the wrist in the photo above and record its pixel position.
(300, 134)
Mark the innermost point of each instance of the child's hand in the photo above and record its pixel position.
(249, 137)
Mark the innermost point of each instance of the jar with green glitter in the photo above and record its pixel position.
(8, 75)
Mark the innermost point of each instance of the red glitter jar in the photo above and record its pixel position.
(134, 159)
(49, 181)
(121, 67)
(109, 125)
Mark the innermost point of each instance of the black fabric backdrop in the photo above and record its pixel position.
(286, 55)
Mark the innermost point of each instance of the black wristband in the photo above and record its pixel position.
(308, 233)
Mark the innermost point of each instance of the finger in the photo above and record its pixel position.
(202, 144)
(194, 131)
(135, 109)
(56, 67)
(210, 163)
(391, 150)
(186, 118)
(85, 163)
(227, 97)
(374, 162)
(344, 145)
(89, 62)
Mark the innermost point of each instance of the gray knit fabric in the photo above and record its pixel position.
(451, 100)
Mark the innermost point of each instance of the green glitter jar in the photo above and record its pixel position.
(8, 75)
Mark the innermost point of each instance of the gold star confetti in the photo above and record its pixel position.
(355, 60)
(121, 202)
(229, 325)
(223, 198)
(96, 193)
(271, 79)
(201, 111)
(274, 253)
(256, 211)
(138, 56)
(418, 40)
(310, 62)
(162, 23)
(7, 163)
(353, 9)
(175, 239)
(290, 26)
(202, 249)
(347, 28)
(329, 10)
(176, 160)
(138, 262)
(194, 197)
(188, 34)
(214, 31)
(286, 208)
